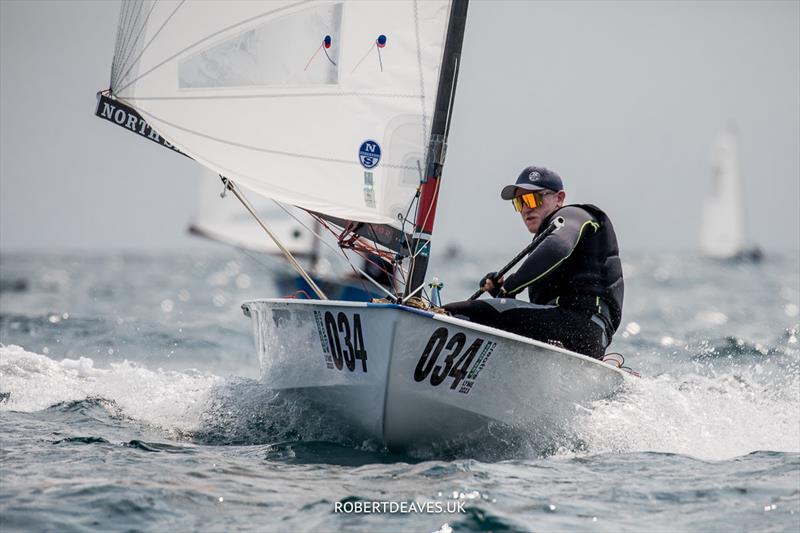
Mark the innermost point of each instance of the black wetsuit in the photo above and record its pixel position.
(574, 282)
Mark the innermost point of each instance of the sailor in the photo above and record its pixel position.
(573, 277)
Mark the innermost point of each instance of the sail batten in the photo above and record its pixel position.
(278, 96)
(271, 95)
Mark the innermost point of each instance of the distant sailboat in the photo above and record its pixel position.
(226, 222)
(723, 234)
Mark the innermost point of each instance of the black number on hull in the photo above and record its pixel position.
(361, 352)
(455, 346)
(353, 348)
(428, 359)
(333, 339)
(460, 368)
(454, 366)
(349, 356)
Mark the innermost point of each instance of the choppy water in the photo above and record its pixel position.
(129, 400)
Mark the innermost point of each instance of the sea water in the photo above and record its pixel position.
(130, 400)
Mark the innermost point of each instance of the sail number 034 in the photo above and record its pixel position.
(342, 344)
(457, 361)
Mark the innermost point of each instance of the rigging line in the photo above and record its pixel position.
(381, 287)
(414, 202)
(450, 100)
(367, 276)
(267, 96)
(368, 260)
(144, 48)
(255, 148)
(235, 190)
(412, 257)
(130, 25)
(362, 249)
(416, 216)
(391, 275)
(266, 267)
(125, 17)
(402, 274)
(139, 35)
(376, 242)
(210, 37)
(412, 293)
(361, 280)
(122, 37)
(121, 22)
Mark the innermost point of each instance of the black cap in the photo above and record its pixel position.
(533, 179)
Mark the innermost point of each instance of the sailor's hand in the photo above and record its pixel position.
(491, 283)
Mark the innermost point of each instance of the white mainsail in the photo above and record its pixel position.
(227, 222)
(323, 105)
(723, 230)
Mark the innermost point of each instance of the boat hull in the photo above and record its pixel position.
(407, 377)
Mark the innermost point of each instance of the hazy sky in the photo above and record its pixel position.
(623, 99)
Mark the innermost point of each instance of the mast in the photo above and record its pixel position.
(429, 189)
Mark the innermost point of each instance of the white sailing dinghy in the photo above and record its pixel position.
(342, 108)
(724, 232)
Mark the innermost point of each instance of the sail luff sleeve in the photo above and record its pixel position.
(429, 190)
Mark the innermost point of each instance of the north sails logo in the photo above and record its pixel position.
(369, 154)
(127, 117)
(533, 176)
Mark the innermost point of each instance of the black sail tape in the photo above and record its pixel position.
(124, 115)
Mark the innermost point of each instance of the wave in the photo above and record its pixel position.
(701, 408)
(707, 413)
(185, 405)
(165, 399)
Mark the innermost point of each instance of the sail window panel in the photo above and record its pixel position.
(260, 56)
(177, 29)
(405, 162)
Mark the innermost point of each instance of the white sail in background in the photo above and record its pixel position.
(723, 231)
(322, 105)
(225, 221)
